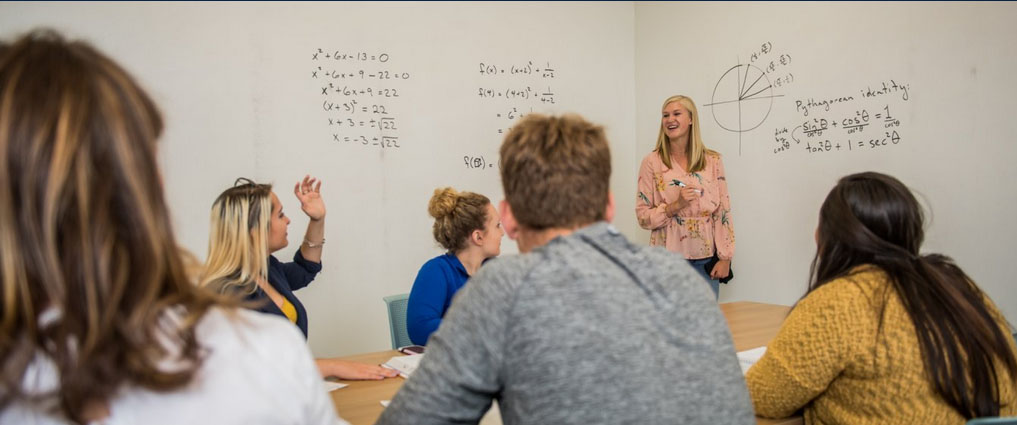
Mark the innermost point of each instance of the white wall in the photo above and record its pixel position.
(235, 83)
(956, 144)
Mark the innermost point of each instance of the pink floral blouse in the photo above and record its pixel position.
(700, 226)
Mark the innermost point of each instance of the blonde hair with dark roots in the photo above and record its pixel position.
(456, 215)
(238, 238)
(89, 267)
(555, 171)
(696, 151)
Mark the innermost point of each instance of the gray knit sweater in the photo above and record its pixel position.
(588, 329)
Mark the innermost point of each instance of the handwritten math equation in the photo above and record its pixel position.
(509, 91)
(847, 122)
(360, 94)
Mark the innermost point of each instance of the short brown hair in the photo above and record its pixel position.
(456, 215)
(555, 171)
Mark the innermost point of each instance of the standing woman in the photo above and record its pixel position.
(248, 225)
(467, 225)
(885, 335)
(683, 199)
(101, 321)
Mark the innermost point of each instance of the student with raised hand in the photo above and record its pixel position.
(467, 225)
(682, 194)
(582, 327)
(885, 335)
(101, 321)
(248, 225)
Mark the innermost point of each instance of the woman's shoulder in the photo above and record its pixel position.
(444, 260)
(713, 158)
(441, 264)
(265, 352)
(230, 328)
(863, 287)
(652, 160)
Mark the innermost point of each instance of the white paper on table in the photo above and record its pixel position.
(405, 365)
(385, 402)
(332, 386)
(748, 358)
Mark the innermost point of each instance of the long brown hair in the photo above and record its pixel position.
(89, 268)
(872, 218)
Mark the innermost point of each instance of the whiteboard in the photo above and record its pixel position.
(240, 85)
(922, 91)
(237, 85)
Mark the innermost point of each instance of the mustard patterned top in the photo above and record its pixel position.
(848, 353)
(700, 226)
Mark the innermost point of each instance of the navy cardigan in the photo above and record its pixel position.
(286, 278)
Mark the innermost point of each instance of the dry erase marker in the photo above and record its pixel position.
(682, 184)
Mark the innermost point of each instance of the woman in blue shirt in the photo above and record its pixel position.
(467, 225)
(248, 225)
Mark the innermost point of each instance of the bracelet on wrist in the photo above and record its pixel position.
(314, 245)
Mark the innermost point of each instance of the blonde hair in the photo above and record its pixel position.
(87, 239)
(556, 171)
(238, 238)
(695, 150)
(456, 215)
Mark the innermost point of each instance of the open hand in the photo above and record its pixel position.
(309, 195)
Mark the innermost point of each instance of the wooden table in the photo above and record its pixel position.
(752, 325)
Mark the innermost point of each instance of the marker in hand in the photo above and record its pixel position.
(682, 184)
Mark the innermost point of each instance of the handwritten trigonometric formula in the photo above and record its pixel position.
(361, 93)
(859, 120)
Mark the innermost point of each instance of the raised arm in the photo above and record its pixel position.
(311, 203)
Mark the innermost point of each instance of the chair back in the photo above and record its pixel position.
(397, 319)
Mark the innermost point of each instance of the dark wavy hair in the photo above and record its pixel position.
(89, 268)
(872, 218)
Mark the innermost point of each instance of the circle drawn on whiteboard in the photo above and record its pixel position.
(742, 98)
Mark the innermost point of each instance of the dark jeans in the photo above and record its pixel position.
(714, 284)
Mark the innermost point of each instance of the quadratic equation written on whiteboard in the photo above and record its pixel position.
(360, 93)
(864, 120)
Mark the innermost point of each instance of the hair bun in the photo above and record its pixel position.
(443, 202)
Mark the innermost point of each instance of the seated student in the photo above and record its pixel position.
(466, 225)
(248, 224)
(885, 335)
(102, 323)
(583, 327)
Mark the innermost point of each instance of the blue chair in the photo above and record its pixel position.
(994, 421)
(397, 319)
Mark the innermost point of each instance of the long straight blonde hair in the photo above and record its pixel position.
(238, 238)
(695, 149)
